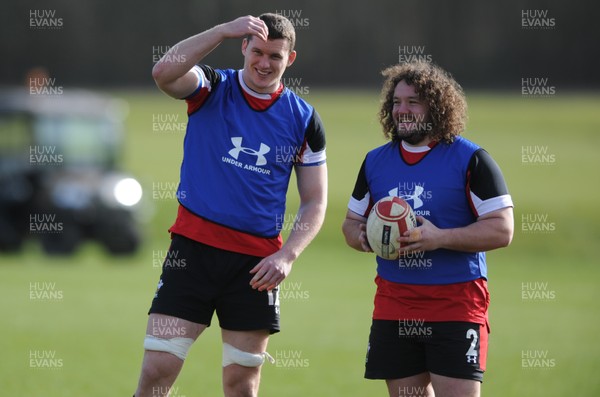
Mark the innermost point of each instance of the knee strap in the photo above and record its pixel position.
(176, 346)
(232, 355)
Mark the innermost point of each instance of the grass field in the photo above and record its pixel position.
(88, 329)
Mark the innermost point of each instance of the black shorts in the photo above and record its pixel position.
(399, 349)
(198, 280)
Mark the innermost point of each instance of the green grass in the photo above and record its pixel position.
(96, 328)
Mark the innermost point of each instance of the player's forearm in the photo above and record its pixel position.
(183, 56)
(352, 231)
(305, 228)
(483, 235)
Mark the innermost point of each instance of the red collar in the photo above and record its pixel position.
(414, 154)
(256, 100)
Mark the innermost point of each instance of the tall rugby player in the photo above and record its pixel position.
(232, 193)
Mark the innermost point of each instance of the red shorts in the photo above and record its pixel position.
(466, 301)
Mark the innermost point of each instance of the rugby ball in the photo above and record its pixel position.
(389, 218)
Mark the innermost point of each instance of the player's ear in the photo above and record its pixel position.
(244, 46)
(291, 58)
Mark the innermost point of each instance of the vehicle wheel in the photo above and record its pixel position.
(63, 243)
(120, 239)
(10, 238)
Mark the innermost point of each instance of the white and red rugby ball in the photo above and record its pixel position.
(389, 219)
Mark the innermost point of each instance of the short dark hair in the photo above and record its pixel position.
(279, 28)
(435, 86)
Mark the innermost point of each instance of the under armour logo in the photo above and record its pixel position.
(471, 359)
(415, 197)
(260, 153)
(417, 202)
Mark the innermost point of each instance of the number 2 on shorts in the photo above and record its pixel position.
(472, 352)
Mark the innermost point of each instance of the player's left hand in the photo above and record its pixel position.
(270, 271)
(425, 237)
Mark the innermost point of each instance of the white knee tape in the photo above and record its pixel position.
(232, 355)
(176, 346)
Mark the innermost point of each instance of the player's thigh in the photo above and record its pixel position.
(390, 356)
(414, 386)
(167, 327)
(457, 350)
(239, 307)
(454, 387)
(249, 341)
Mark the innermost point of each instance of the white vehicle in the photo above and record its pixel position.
(59, 180)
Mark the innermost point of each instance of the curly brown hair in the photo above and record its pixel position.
(435, 86)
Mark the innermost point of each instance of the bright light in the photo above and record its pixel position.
(128, 192)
